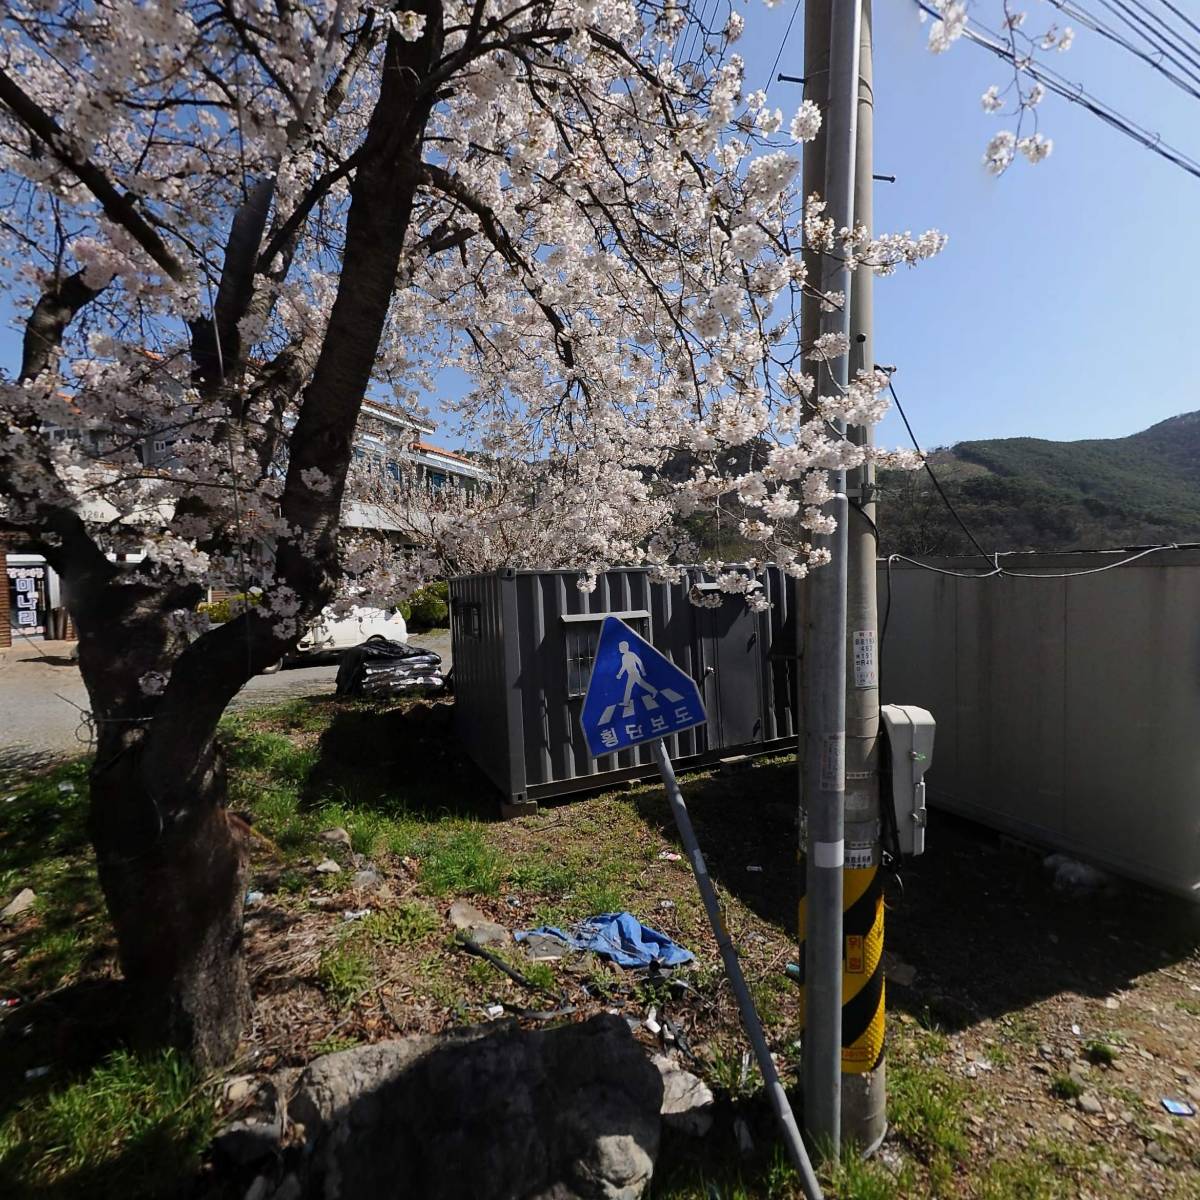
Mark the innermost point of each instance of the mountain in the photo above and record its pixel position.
(1032, 494)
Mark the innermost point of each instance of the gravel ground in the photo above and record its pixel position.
(43, 703)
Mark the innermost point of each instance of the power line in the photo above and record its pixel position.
(1077, 94)
(782, 45)
(1177, 39)
(1089, 21)
(1181, 15)
(936, 483)
(1177, 54)
(993, 559)
(1006, 573)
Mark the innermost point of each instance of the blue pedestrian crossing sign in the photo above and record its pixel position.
(635, 693)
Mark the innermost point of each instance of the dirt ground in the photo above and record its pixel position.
(1033, 1032)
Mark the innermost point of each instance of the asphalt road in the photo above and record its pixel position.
(43, 703)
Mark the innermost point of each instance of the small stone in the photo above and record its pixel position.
(1111, 1002)
(20, 903)
(328, 867)
(687, 1099)
(480, 929)
(1041, 1069)
(1046, 1052)
(1159, 1154)
(1090, 1103)
(1067, 1123)
(367, 880)
(246, 1142)
(239, 1089)
(337, 835)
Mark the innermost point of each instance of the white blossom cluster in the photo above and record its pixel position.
(605, 240)
(1023, 94)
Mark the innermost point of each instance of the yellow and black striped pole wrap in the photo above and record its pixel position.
(862, 970)
(862, 966)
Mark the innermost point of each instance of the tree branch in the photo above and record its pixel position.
(453, 187)
(54, 311)
(118, 206)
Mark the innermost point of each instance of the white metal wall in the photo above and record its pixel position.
(1068, 709)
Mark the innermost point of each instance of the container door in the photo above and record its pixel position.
(731, 655)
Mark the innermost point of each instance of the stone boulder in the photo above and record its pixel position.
(570, 1113)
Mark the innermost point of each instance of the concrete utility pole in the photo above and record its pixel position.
(864, 1119)
(816, 89)
(824, 649)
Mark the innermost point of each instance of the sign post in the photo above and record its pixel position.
(637, 695)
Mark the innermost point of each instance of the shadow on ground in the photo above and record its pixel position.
(18, 761)
(978, 916)
(376, 756)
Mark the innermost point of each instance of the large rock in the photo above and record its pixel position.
(23, 901)
(687, 1099)
(478, 927)
(558, 1114)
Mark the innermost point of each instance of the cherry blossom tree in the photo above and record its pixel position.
(225, 222)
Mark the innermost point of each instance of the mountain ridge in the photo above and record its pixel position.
(1039, 494)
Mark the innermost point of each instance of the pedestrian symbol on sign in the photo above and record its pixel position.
(635, 694)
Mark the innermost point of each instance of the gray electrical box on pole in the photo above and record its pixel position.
(910, 751)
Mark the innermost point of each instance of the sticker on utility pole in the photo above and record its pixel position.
(866, 669)
(635, 693)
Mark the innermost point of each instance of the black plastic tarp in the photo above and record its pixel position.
(380, 668)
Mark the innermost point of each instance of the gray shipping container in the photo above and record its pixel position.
(523, 648)
(1068, 710)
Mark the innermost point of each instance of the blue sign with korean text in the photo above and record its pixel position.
(635, 693)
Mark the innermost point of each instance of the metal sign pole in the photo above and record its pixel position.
(733, 969)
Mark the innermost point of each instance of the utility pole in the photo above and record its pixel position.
(824, 646)
(864, 1119)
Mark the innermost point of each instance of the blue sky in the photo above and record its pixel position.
(1065, 303)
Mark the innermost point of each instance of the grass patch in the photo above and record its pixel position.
(134, 1127)
(926, 1108)
(730, 1070)
(401, 926)
(543, 876)
(866, 1179)
(1100, 1054)
(1064, 1087)
(540, 974)
(259, 752)
(460, 861)
(1048, 1170)
(345, 972)
(44, 846)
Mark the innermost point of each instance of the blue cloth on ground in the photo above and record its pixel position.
(621, 937)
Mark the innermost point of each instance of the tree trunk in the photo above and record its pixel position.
(173, 867)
